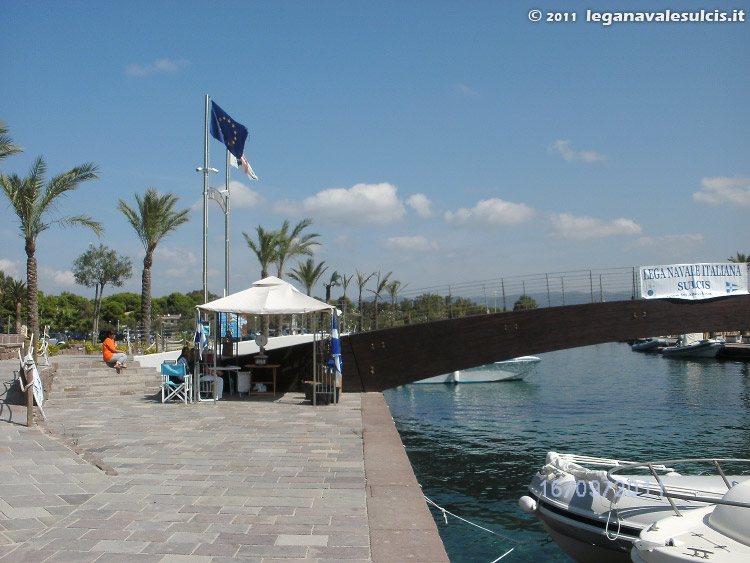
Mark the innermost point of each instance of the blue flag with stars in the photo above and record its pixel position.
(228, 131)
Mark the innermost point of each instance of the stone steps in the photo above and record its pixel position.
(88, 378)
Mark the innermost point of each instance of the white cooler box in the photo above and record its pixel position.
(243, 382)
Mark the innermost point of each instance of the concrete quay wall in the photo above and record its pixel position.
(259, 480)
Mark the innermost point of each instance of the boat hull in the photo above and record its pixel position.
(704, 349)
(649, 345)
(585, 540)
(507, 370)
(593, 519)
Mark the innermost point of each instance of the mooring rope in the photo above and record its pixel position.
(515, 541)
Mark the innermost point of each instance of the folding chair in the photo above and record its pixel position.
(175, 383)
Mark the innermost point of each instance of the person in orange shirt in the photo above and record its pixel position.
(111, 354)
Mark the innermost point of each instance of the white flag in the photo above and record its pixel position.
(243, 165)
(200, 339)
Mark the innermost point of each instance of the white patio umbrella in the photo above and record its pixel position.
(269, 296)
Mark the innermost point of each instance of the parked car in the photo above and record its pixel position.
(57, 338)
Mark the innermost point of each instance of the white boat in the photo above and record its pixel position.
(719, 532)
(507, 370)
(694, 346)
(649, 345)
(594, 515)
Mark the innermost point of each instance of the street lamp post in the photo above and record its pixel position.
(206, 171)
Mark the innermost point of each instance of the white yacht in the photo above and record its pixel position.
(507, 370)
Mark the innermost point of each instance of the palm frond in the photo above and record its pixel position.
(7, 146)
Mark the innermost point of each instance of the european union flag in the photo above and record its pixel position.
(228, 131)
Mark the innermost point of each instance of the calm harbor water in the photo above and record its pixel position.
(474, 448)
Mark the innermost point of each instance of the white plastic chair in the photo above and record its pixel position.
(175, 384)
(210, 385)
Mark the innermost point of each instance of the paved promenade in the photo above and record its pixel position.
(261, 480)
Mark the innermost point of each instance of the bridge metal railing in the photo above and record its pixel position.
(547, 290)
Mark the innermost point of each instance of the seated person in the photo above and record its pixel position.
(186, 359)
(111, 355)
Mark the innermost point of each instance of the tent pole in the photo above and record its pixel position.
(315, 362)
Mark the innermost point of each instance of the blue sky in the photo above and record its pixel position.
(445, 142)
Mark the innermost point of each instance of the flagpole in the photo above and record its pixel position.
(226, 232)
(206, 170)
(205, 206)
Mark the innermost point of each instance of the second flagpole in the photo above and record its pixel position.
(205, 206)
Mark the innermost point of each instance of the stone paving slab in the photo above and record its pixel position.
(131, 479)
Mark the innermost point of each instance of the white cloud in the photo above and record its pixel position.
(569, 226)
(175, 262)
(175, 255)
(158, 66)
(490, 213)
(733, 191)
(240, 197)
(362, 203)
(669, 247)
(563, 147)
(415, 244)
(421, 204)
(12, 268)
(668, 241)
(464, 89)
(61, 278)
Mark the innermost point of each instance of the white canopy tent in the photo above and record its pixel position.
(269, 296)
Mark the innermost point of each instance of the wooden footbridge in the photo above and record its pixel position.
(382, 359)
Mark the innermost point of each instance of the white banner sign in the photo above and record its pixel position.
(693, 281)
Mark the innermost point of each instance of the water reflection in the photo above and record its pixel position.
(474, 447)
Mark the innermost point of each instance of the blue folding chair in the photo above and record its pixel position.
(175, 383)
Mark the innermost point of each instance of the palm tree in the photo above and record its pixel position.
(741, 258)
(344, 284)
(361, 282)
(33, 201)
(265, 250)
(7, 147)
(379, 288)
(291, 244)
(16, 291)
(154, 219)
(393, 288)
(335, 279)
(308, 274)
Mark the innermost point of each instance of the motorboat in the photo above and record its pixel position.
(719, 532)
(693, 345)
(595, 514)
(515, 369)
(649, 345)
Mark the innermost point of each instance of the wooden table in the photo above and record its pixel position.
(271, 383)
